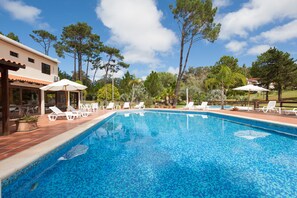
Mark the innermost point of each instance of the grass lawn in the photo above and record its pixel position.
(287, 95)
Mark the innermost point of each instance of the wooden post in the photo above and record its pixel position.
(5, 102)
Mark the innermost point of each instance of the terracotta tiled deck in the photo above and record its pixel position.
(288, 119)
(19, 141)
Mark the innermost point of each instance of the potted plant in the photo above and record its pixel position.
(235, 109)
(27, 123)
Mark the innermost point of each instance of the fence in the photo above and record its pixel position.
(256, 104)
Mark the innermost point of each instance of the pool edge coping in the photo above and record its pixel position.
(17, 162)
(226, 114)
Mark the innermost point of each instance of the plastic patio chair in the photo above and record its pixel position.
(56, 112)
(140, 106)
(270, 107)
(293, 111)
(190, 105)
(126, 105)
(82, 113)
(203, 106)
(110, 106)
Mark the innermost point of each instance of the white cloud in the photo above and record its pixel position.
(100, 74)
(255, 14)
(221, 3)
(257, 50)
(173, 70)
(143, 78)
(20, 11)
(135, 24)
(279, 34)
(236, 46)
(119, 74)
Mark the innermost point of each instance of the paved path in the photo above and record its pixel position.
(19, 141)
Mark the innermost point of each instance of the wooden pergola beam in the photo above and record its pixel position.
(5, 102)
(6, 65)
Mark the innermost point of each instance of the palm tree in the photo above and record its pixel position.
(223, 79)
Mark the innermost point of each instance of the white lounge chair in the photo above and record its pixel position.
(110, 106)
(270, 107)
(203, 106)
(58, 113)
(293, 111)
(94, 107)
(241, 108)
(88, 107)
(82, 113)
(126, 105)
(84, 107)
(140, 105)
(190, 105)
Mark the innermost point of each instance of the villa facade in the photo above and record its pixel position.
(24, 93)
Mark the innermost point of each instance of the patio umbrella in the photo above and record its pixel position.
(64, 85)
(250, 88)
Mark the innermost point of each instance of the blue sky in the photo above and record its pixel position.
(147, 34)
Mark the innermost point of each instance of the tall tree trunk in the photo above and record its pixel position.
(267, 98)
(182, 43)
(279, 92)
(182, 66)
(133, 92)
(222, 97)
(105, 77)
(95, 74)
(74, 67)
(87, 69)
(176, 91)
(79, 54)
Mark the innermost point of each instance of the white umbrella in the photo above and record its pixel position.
(64, 85)
(250, 88)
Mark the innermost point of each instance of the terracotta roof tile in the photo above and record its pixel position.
(21, 78)
(25, 79)
(29, 80)
(13, 62)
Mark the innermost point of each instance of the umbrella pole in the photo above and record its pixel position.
(65, 91)
(249, 101)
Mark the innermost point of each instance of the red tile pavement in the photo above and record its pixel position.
(288, 119)
(19, 141)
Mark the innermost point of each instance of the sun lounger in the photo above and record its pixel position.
(270, 107)
(94, 107)
(140, 106)
(190, 105)
(82, 113)
(58, 113)
(110, 106)
(203, 106)
(126, 105)
(240, 108)
(288, 112)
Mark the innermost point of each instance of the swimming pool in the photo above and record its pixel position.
(158, 154)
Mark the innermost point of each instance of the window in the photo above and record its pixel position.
(45, 68)
(14, 54)
(31, 60)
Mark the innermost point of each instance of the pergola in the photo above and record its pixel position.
(6, 65)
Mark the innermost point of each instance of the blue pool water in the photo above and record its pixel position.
(162, 154)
